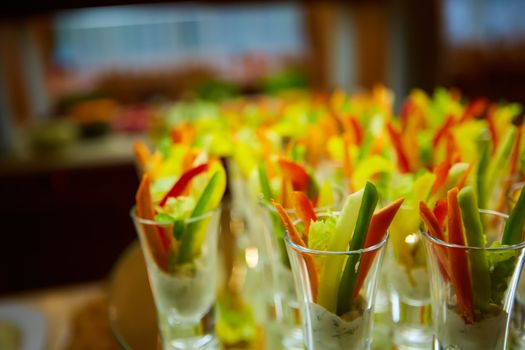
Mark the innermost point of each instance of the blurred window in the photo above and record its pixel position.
(484, 21)
(147, 36)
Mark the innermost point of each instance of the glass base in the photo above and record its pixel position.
(411, 324)
(207, 342)
(293, 339)
(411, 338)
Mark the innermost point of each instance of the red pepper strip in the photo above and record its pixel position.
(474, 109)
(142, 154)
(443, 130)
(156, 240)
(406, 111)
(402, 159)
(357, 130)
(440, 212)
(460, 274)
(181, 184)
(492, 130)
(296, 173)
(434, 228)
(379, 224)
(441, 172)
(347, 163)
(305, 211)
(295, 237)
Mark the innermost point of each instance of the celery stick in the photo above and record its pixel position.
(264, 182)
(329, 278)
(351, 271)
(497, 165)
(513, 232)
(483, 163)
(209, 200)
(479, 267)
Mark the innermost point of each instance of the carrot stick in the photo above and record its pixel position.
(142, 154)
(145, 211)
(440, 212)
(443, 130)
(402, 159)
(347, 163)
(434, 227)
(441, 172)
(458, 259)
(357, 129)
(492, 130)
(295, 237)
(376, 232)
(304, 210)
(181, 184)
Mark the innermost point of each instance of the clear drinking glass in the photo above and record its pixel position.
(283, 319)
(408, 282)
(184, 294)
(485, 329)
(322, 328)
(517, 327)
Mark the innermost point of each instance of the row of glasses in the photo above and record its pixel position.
(325, 330)
(185, 300)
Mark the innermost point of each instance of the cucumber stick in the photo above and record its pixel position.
(501, 158)
(513, 232)
(351, 270)
(195, 233)
(479, 267)
(330, 276)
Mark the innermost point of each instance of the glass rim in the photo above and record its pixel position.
(442, 243)
(301, 249)
(143, 221)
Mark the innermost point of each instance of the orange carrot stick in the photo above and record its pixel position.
(434, 228)
(347, 163)
(295, 237)
(440, 212)
(443, 130)
(142, 154)
(305, 211)
(402, 159)
(441, 172)
(460, 274)
(146, 211)
(379, 224)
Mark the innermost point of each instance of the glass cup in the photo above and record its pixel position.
(283, 320)
(408, 282)
(184, 293)
(457, 326)
(517, 327)
(324, 329)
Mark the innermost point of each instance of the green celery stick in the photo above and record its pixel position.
(331, 274)
(479, 267)
(351, 271)
(483, 163)
(208, 200)
(264, 182)
(497, 165)
(513, 232)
